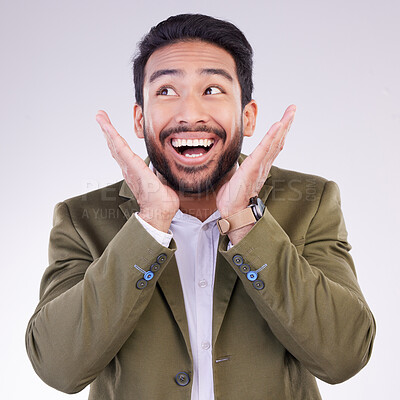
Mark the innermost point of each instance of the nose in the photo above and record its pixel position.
(191, 110)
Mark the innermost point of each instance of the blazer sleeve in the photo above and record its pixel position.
(88, 308)
(312, 302)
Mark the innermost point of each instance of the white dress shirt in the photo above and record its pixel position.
(196, 254)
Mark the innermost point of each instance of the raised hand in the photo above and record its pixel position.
(158, 202)
(248, 179)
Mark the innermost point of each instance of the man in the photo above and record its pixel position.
(150, 301)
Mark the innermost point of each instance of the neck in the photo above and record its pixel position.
(200, 206)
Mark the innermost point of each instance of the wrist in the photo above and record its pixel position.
(157, 219)
(236, 236)
(240, 219)
(228, 211)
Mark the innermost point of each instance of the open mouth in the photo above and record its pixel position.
(192, 148)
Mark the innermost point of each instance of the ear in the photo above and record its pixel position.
(249, 118)
(138, 121)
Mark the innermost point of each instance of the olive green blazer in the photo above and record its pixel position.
(305, 318)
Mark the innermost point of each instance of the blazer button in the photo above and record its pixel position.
(252, 276)
(148, 276)
(182, 378)
(237, 259)
(258, 284)
(155, 267)
(141, 284)
(244, 268)
(161, 258)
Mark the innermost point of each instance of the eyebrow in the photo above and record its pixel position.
(204, 71)
(216, 71)
(162, 72)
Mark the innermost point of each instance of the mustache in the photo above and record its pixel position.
(165, 133)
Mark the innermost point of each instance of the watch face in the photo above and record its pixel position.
(256, 211)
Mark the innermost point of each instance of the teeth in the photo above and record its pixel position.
(192, 142)
(193, 155)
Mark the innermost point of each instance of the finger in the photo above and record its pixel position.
(108, 130)
(279, 136)
(130, 163)
(269, 141)
(106, 125)
(259, 162)
(272, 143)
(136, 172)
(118, 146)
(289, 114)
(276, 132)
(287, 121)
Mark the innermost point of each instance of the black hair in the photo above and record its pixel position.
(188, 27)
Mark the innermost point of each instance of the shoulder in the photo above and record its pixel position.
(106, 194)
(284, 179)
(100, 202)
(296, 198)
(293, 193)
(312, 187)
(286, 174)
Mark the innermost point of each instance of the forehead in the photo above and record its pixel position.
(188, 57)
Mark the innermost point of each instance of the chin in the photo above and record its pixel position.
(192, 183)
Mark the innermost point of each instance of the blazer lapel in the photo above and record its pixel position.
(170, 284)
(169, 281)
(225, 279)
(264, 192)
(225, 276)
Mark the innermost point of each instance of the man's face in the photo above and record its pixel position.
(192, 119)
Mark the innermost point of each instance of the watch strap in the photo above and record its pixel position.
(236, 221)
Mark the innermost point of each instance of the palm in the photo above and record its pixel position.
(155, 199)
(248, 179)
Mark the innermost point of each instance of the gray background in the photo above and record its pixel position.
(64, 60)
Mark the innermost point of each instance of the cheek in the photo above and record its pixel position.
(229, 121)
(152, 123)
(225, 115)
(158, 118)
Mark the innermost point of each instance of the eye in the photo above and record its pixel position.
(166, 91)
(213, 90)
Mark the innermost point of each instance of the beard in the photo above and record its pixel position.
(190, 180)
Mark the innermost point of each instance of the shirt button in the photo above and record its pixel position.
(182, 378)
(205, 345)
(203, 283)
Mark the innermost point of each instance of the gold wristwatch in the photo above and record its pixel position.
(249, 215)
